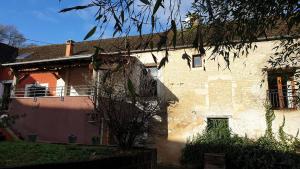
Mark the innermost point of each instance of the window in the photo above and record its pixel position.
(36, 90)
(153, 72)
(218, 127)
(282, 89)
(197, 61)
(148, 86)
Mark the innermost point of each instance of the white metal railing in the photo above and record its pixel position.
(43, 91)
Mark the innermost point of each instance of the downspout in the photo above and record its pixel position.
(14, 84)
(67, 74)
(101, 130)
(97, 104)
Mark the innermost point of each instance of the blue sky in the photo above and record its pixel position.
(40, 20)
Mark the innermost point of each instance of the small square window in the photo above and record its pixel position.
(197, 61)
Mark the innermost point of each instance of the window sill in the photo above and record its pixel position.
(196, 68)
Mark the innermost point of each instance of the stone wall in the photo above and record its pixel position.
(196, 94)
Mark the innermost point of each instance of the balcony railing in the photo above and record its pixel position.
(43, 91)
(283, 99)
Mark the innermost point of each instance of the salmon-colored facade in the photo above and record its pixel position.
(54, 119)
(61, 111)
(52, 97)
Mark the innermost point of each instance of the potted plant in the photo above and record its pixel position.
(95, 140)
(32, 137)
(72, 138)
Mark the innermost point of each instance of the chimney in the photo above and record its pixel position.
(69, 48)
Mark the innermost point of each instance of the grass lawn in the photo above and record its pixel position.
(24, 153)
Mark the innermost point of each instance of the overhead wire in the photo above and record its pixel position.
(8, 37)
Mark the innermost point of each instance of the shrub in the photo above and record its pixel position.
(241, 152)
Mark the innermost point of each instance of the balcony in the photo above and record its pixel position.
(59, 91)
(283, 99)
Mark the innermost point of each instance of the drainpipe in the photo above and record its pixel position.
(67, 74)
(14, 85)
(101, 130)
(97, 88)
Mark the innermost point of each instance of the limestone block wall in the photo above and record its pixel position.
(196, 94)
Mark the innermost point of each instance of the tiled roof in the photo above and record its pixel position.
(109, 45)
(87, 47)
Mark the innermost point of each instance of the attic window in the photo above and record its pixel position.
(197, 61)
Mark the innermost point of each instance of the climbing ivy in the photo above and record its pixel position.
(270, 117)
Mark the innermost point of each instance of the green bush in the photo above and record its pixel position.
(241, 152)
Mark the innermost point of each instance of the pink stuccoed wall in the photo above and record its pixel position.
(53, 119)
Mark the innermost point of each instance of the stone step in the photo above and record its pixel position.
(214, 161)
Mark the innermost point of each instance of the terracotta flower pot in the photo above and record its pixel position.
(96, 140)
(32, 137)
(72, 139)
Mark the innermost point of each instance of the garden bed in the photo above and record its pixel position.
(24, 153)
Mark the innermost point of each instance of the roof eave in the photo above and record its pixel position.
(80, 57)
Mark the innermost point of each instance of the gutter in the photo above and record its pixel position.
(75, 57)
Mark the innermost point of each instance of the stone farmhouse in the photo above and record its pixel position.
(51, 87)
